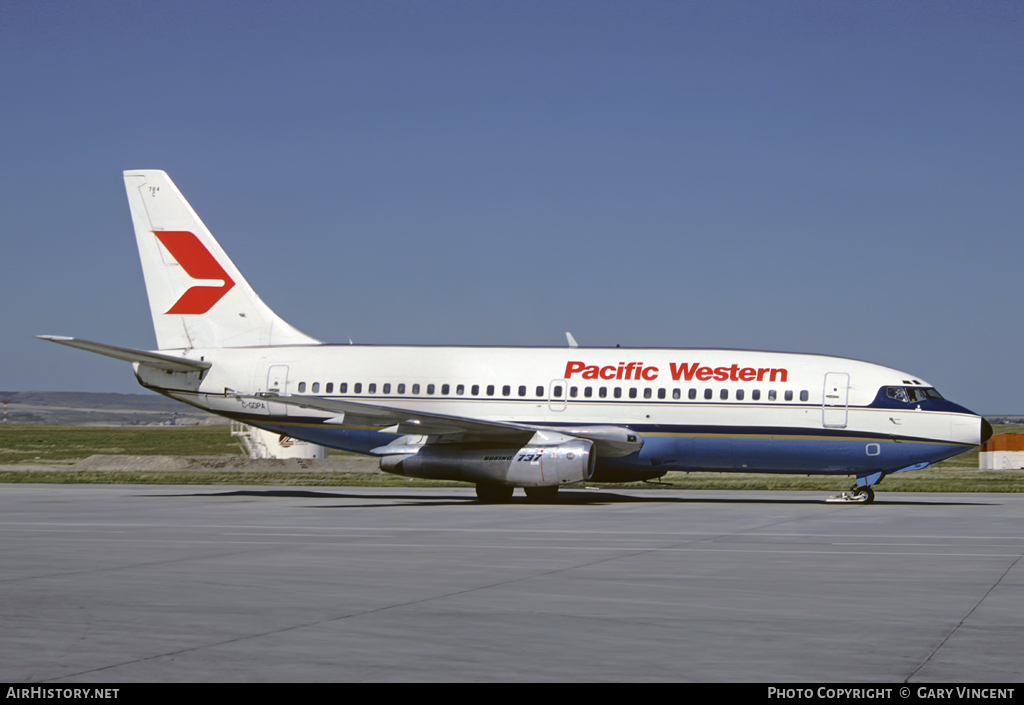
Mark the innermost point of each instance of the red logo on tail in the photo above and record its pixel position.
(198, 263)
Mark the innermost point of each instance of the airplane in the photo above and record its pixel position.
(537, 418)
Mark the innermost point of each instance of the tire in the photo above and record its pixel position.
(865, 491)
(489, 493)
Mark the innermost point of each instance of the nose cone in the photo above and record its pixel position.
(986, 431)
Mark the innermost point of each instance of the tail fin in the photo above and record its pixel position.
(197, 296)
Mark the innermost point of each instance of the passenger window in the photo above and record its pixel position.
(618, 392)
(648, 393)
(316, 388)
(475, 390)
(430, 389)
(588, 392)
(490, 390)
(522, 390)
(739, 395)
(371, 388)
(573, 391)
(445, 388)
(557, 391)
(343, 388)
(415, 389)
(387, 388)
(724, 394)
(460, 390)
(506, 390)
(755, 395)
(661, 393)
(692, 394)
(330, 388)
(789, 395)
(632, 392)
(677, 393)
(708, 393)
(302, 387)
(357, 387)
(401, 389)
(540, 391)
(771, 395)
(804, 396)
(602, 392)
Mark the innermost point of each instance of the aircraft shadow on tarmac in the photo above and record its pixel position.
(564, 499)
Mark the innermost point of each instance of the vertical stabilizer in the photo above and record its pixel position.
(197, 296)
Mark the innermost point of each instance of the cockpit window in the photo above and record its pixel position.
(899, 394)
(910, 395)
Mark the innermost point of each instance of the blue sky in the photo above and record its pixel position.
(838, 178)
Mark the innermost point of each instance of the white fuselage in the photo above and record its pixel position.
(717, 409)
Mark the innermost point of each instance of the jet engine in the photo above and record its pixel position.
(549, 459)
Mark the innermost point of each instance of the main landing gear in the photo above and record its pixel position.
(857, 495)
(493, 493)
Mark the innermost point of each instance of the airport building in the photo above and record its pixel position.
(267, 444)
(1002, 452)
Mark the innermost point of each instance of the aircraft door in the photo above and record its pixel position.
(835, 400)
(556, 394)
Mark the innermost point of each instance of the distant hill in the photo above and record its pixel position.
(1005, 421)
(101, 409)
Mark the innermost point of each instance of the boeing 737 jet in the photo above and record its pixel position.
(500, 417)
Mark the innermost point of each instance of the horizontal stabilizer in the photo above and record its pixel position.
(157, 360)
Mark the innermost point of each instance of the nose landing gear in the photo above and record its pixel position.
(856, 495)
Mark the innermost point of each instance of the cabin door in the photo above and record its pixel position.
(834, 403)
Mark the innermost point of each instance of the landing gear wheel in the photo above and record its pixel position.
(856, 495)
(494, 494)
(864, 495)
(541, 494)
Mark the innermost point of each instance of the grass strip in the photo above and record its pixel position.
(69, 444)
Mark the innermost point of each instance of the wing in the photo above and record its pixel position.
(611, 441)
(404, 421)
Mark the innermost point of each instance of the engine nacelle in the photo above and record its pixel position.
(556, 460)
